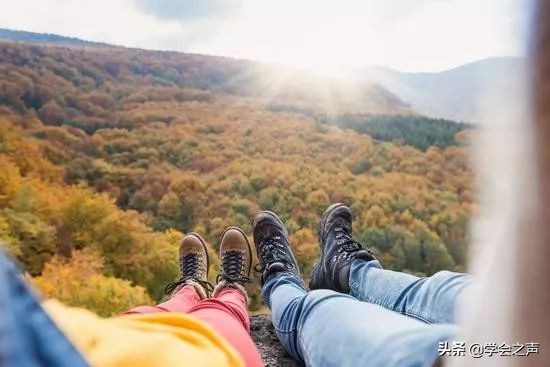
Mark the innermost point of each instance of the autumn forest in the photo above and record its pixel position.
(108, 155)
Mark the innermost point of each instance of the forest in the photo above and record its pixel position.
(109, 155)
(419, 131)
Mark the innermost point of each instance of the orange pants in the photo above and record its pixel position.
(226, 314)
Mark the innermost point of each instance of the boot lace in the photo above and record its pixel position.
(272, 251)
(190, 266)
(233, 268)
(347, 246)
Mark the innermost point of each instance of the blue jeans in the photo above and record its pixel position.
(28, 337)
(388, 319)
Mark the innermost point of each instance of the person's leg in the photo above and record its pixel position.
(28, 337)
(226, 311)
(327, 328)
(181, 301)
(227, 314)
(346, 266)
(430, 299)
(235, 301)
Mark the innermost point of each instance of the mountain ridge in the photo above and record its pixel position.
(46, 38)
(267, 83)
(461, 93)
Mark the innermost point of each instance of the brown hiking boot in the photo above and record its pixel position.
(236, 260)
(194, 263)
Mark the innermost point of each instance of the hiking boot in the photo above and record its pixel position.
(272, 245)
(236, 261)
(338, 250)
(194, 263)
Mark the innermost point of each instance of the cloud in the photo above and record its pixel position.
(188, 9)
(411, 35)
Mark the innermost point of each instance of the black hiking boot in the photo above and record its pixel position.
(236, 258)
(272, 245)
(338, 250)
(194, 263)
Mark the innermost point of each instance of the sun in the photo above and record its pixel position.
(294, 35)
(322, 64)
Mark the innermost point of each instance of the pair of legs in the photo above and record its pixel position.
(388, 319)
(359, 313)
(226, 311)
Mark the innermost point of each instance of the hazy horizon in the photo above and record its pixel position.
(323, 36)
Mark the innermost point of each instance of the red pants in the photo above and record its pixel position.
(226, 314)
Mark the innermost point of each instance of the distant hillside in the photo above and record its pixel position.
(459, 94)
(31, 37)
(276, 86)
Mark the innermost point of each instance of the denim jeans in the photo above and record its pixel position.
(28, 337)
(388, 319)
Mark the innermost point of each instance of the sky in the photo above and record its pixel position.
(328, 36)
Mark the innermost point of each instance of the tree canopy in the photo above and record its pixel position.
(108, 156)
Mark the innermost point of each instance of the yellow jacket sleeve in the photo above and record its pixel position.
(163, 339)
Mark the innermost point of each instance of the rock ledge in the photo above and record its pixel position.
(263, 334)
